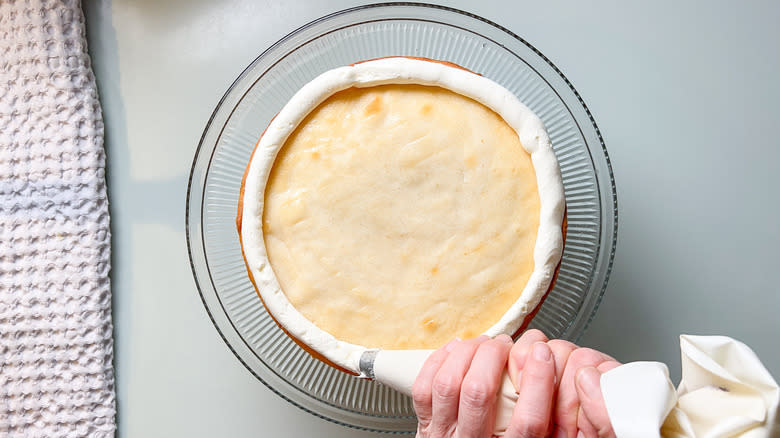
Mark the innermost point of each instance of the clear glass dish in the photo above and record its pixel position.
(344, 38)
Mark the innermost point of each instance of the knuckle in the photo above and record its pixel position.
(589, 352)
(477, 393)
(421, 393)
(423, 430)
(518, 352)
(539, 370)
(605, 431)
(566, 410)
(532, 426)
(446, 386)
(583, 356)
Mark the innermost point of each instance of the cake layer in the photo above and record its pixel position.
(371, 197)
(401, 216)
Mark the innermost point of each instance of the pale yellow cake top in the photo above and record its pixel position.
(402, 216)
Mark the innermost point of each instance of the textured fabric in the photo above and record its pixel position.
(56, 351)
(725, 392)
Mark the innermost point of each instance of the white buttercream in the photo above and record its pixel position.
(529, 128)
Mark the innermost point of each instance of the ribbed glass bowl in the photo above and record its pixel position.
(344, 38)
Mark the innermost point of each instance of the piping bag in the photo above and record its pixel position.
(725, 391)
(399, 368)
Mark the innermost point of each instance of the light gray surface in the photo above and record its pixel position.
(686, 98)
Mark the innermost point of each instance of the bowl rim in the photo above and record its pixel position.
(192, 224)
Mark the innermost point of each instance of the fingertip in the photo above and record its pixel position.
(535, 334)
(541, 352)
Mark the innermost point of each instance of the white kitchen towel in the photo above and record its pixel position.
(725, 392)
(56, 350)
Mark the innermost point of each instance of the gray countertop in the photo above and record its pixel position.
(685, 94)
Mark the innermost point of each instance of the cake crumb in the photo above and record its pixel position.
(374, 106)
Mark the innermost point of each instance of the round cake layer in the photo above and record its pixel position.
(401, 216)
(371, 76)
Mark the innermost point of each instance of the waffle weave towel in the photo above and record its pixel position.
(56, 350)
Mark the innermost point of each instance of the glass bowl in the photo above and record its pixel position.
(343, 38)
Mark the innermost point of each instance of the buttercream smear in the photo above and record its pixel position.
(528, 127)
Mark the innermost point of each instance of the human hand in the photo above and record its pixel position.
(455, 393)
(579, 406)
